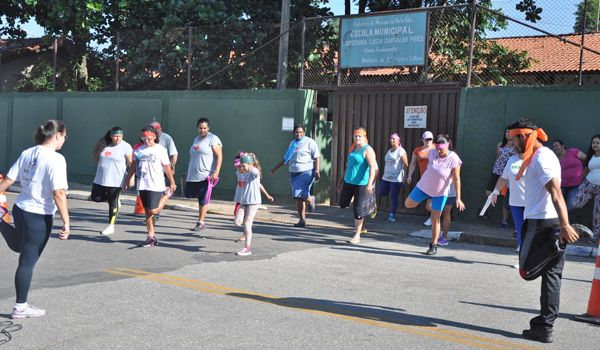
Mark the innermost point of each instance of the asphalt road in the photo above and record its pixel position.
(301, 288)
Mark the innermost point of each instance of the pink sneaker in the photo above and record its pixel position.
(244, 252)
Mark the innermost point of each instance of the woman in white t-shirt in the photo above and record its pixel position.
(590, 187)
(42, 173)
(206, 157)
(396, 163)
(114, 157)
(150, 162)
(516, 188)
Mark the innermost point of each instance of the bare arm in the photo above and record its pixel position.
(218, 152)
(317, 168)
(264, 191)
(128, 175)
(457, 185)
(497, 189)
(411, 169)
(582, 156)
(167, 169)
(60, 198)
(404, 160)
(173, 159)
(277, 166)
(567, 233)
(6, 183)
(370, 155)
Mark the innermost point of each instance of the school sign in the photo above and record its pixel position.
(384, 40)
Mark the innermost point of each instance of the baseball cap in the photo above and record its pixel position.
(427, 135)
(156, 125)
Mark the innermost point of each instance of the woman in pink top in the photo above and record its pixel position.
(442, 170)
(571, 169)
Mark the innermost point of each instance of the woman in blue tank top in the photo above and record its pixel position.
(361, 168)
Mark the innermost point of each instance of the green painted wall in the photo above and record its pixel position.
(568, 113)
(244, 120)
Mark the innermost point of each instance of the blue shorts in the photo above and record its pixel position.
(437, 203)
(301, 183)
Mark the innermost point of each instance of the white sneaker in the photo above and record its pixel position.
(108, 231)
(428, 222)
(244, 252)
(28, 311)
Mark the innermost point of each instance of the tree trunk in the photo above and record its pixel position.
(347, 7)
(362, 6)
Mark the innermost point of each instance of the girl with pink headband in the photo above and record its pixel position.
(396, 164)
(443, 169)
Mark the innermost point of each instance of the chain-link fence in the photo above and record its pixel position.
(495, 49)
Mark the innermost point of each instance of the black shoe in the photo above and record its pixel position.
(300, 223)
(432, 249)
(541, 336)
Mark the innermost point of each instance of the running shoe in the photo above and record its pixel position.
(391, 217)
(244, 252)
(427, 222)
(149, 242)
(199, 227)
(541, 336)
(27, 312)
(108, 230)
(583, 231)
(432, 249)
(442, 241)
(300, 223)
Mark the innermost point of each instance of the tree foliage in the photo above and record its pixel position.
(591, 21)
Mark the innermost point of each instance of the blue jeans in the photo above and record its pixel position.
(393, 188)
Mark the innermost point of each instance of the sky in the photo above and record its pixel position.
(557, 18)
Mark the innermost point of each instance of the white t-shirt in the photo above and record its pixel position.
(112, 165)
(516, 188)
(249, 187)
(594, 175)
(304, 156)
(393, 170)
(40, 171)
(150, 172)
(167, 142)
(543, 167)
(202, 159)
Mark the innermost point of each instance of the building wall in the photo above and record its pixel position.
(568, 113)
(244, 120)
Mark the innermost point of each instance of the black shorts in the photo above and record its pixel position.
(150, 199)
(197, 190)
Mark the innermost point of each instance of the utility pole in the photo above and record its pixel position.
(580, 77)
(284, 33)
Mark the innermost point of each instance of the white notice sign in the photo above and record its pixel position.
(415, 117)
(287, 124)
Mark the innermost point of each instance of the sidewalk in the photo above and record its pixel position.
(326, 216)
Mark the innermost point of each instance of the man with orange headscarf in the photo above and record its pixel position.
(546, 216)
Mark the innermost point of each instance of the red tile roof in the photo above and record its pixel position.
(551, 54)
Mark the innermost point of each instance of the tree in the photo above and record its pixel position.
(591, 21)
(78, 21)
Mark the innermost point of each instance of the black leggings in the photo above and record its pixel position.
(364, 203)
(107, 194)
(28, 237)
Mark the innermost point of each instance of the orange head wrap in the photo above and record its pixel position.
(530, 146)
(358, 132)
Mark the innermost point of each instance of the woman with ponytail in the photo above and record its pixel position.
(42, 173)
(114, 157)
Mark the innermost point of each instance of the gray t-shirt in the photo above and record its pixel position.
(303, 157)
(112, 165)
(393, 170)
(249, 187)
(167, 142)
(202, 159)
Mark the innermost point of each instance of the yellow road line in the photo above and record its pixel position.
(340, 313)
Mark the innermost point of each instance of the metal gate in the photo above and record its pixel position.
(381, 112)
